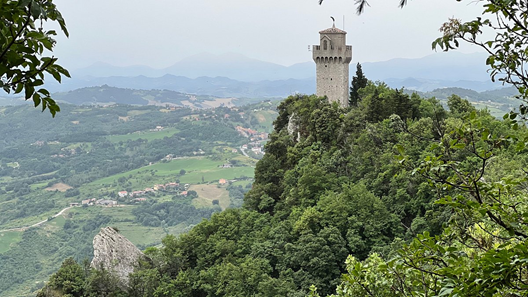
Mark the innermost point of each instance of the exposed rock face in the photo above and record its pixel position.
(114, 252)
(293, 127)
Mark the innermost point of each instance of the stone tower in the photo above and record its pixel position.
(332, 57)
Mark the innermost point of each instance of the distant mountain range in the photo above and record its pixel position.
(503, 96)
(235, 75)
(213, 86)
(499, 101)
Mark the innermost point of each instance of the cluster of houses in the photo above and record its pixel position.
(253, 135)
(93, 201)
(157, 129)
(256, 148)
(135, 195)
(67, 152)
(171, 157)
(155, 188)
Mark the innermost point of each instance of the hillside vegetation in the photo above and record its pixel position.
(177, 166)
(329, 186)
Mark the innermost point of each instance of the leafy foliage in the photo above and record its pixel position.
(507, 50)
(171, 213)
(22, 47)
(482, 251)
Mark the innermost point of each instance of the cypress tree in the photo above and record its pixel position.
(359, 81)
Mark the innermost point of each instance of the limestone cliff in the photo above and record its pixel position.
(293, 127)
(112, 251)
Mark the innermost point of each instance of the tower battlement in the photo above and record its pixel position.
(332, 58)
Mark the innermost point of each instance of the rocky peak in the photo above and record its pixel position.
(112, 251)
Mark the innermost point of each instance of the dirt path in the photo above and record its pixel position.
(36, 224)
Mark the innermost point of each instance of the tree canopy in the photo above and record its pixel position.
(359, 81)
(24, 49)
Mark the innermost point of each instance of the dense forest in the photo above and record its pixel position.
(334, 182)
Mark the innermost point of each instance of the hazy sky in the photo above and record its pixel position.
(158, 33)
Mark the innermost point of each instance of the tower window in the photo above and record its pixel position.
(325, 45)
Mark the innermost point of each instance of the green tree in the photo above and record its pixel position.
(103, 283)
(375, 110)
(459, 107)
(69, 279)
(23, 42)
(483, 250)
(359, 81)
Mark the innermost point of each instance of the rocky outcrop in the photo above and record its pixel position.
(293, 127)
(112, 251)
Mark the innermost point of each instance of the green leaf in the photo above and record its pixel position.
(36, 99)
(36, 10)
(44, 92)
(29, 89)
(24, 3)
(459, 145)
(19, 88)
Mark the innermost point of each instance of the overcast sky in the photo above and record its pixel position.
(158, 33)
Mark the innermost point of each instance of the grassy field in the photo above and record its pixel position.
(122, 219)
(493, 110)
(38, 186)
(81, 110)
(195, 167)
(61, 187)
(148, 135)
(13, 165)
(214, 174)
(55, 225)
(208, 193)
(266, 118)
(118, 213)
(136, 112)
(242, 183)
(28, 221)
(7, 239)
(138, 234)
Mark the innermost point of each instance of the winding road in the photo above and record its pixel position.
(244, 152)
(36, 224)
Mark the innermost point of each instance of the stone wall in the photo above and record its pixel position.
(332, 58)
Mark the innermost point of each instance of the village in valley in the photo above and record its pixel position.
(252, 149)
(138, 196)
(146, 170)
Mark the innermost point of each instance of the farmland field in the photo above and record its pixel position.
(148, 135)
(208, 193)
(7, 239)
